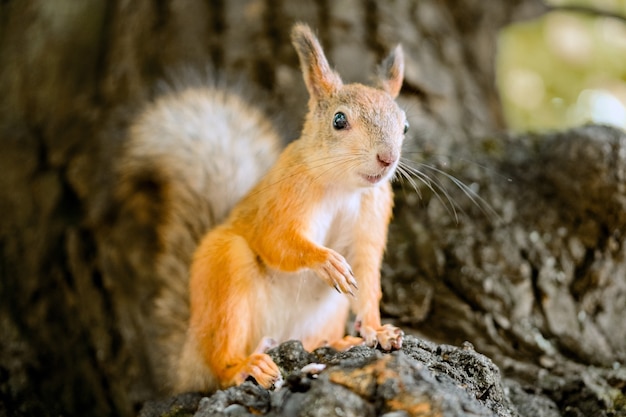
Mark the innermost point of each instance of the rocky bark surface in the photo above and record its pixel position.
(530, 256)
(423, 379)
(532, 273)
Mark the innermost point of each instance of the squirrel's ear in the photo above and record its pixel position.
(391, 72)
(320, 79)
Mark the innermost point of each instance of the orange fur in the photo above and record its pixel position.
(307, 241)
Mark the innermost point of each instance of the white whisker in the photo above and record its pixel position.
(404, 173)
(438, 189)
(435, 186)
(471, 194)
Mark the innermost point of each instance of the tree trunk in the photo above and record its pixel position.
(77, 274)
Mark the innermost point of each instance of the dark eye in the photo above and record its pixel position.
(340, 121)
(406, 126)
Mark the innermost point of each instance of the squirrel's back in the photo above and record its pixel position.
(200, 148)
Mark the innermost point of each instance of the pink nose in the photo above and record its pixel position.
(385, 159)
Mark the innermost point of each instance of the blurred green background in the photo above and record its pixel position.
(565, 69)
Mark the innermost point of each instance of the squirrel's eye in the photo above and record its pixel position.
(340, 121)
(406, 126)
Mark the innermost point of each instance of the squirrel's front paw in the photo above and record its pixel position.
(337, 273)
(389, 337)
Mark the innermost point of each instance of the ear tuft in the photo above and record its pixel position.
(391, 72)
(321, 81)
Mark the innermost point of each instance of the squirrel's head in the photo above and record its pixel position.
(355, 127)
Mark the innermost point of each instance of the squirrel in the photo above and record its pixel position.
(274, 270)
(295, 241)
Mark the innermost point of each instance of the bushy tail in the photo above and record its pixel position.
(190, 156)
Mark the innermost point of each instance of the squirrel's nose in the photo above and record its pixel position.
(385, 159)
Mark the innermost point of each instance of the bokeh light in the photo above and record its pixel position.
(565, 69)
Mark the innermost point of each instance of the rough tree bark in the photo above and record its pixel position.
(538, 285)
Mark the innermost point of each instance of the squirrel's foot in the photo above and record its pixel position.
(260, 367)
(346, 343)
(388, 337)
(337, 273)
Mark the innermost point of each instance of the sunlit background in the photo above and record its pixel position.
(567, 68)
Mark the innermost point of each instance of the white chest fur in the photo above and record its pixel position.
(333, 221)
(301, 303)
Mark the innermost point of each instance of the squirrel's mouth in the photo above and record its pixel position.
(372, 179)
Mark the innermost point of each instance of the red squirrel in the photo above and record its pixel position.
(305, 244)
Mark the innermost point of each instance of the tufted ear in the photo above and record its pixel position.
(320, 79)
(391, 72)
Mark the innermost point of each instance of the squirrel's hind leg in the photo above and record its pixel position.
(225, 290)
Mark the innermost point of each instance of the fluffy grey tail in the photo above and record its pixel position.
(190, 156)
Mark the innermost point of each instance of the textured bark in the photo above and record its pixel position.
(77, 281)
(423, 379)
(530, 269)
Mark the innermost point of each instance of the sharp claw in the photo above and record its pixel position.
(337, 288)
(351, 280)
